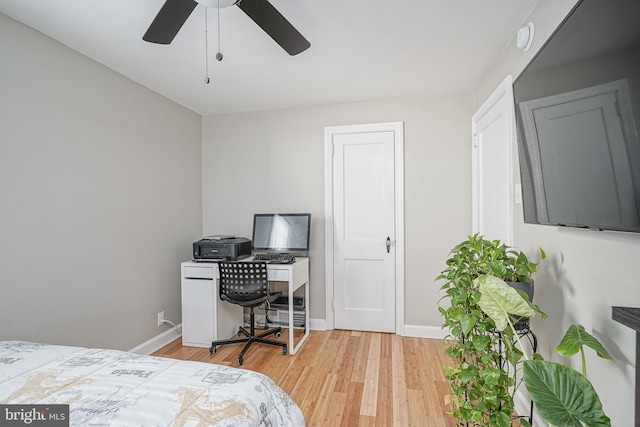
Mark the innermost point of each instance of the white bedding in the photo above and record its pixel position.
(116, 388)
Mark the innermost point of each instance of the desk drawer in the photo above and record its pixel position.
(278, 275)
(199, 272)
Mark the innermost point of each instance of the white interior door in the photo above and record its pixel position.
(492, 128)
(364, 235)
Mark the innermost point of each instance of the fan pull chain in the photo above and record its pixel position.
(219, 54)
(206, 48)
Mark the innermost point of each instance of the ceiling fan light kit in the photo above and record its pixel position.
(174, 13)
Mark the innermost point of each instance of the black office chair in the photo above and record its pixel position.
(246, 284)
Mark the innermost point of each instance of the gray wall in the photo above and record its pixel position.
(274, 161)
(100, 197)
(586, 272)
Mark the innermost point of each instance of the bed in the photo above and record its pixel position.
(117, 388)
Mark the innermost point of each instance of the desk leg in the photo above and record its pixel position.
(293, 348)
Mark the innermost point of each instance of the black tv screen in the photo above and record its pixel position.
(281, 233)
(577, 109)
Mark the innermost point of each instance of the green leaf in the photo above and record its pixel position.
(563, 396)
(468, 373)
(480, 342)
(467, 322)
(514, 355)
(491, 376)
(457, 313)
(503, 420)
(576, 337)
(486, 358)
(500, 300)
(497, 268)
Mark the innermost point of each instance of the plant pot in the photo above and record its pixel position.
(527, 287)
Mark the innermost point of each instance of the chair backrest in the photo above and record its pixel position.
(244, 283)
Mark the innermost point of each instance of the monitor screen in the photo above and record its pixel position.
(578, 119)
(281, 233)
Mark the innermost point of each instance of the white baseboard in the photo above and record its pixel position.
(318, 324)
(159, 341)
(168, 336)
(171, 334)
(418, 331)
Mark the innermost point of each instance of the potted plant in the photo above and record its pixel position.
(481, 385)
(564, 397)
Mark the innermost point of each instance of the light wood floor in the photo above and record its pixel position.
(347, 378)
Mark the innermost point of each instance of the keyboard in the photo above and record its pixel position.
(275, 258)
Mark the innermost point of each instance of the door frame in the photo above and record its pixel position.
(398, 129)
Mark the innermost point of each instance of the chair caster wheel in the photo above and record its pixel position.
(284, 351)
(278, 334)
(213, 349)
(240, 333)
(240, 361)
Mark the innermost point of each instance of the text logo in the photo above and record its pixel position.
(34, 415)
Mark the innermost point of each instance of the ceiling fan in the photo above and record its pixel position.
(174, 13)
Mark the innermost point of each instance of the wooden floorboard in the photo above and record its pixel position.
(349, 378)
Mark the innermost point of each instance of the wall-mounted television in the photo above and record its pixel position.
(577, 109)
(281, 233)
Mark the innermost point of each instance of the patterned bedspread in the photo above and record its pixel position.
(116, 388)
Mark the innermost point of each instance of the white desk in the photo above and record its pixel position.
(206, 318)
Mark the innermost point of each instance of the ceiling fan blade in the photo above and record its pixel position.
(169, 20)
(275, 25)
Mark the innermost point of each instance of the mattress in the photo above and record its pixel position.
(116, 388)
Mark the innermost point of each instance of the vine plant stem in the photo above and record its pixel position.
(513, 329)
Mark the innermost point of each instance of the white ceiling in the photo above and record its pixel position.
(360, 49)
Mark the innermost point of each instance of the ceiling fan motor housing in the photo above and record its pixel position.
(218, 3)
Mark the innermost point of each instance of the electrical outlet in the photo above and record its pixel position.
(160, 318)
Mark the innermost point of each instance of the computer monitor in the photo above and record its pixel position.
(281, 233)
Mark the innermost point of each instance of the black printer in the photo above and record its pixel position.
(221, 249)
